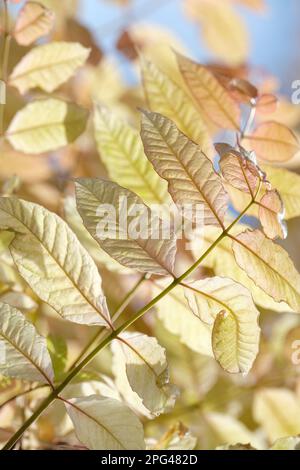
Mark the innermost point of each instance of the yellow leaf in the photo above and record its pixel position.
(166, 97)
(105, 423)
(23, 352)
(46, 125)
(121, 150)
(52, 261)
(269, 266)
(277, 410)
(229, 305)
(48, 66)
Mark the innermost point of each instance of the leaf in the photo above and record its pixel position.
(147, 371)
(238, 170)
(273, 142)
(269, 266)
(287, 443)
(33, 22)
(23, 352)
(166, 97)
(208, 91)
(176, 316)
(58, 350)
(191, 177)
(221, 428)
(122, 152)
(101, 258)
(277, 410)
(288, 185)
(271, 215)
(229, 305)
(223, 30)
(46, 125)
(51, 260)
(105, 424)
(5, 240)
(48, 66)
(125, 227)
(221, 260)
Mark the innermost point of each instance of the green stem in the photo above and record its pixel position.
(4, 62)
(114, 334)
(127, 299)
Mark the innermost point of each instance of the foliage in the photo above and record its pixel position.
(130, 340)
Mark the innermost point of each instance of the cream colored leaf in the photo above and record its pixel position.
(222, 29)
(74, 220)
(176, 316)
(166, 97)
(286, 443)
(277, 410)
(51, 260)
(230, 307)
(269, 266)
(125, 227)
(221, 428)
(48, 66)
(122, 152)
(33, 22)
(147, 371)
(191, 177)
(237, 170)
(103, 423)
(46, 125)
(178, 437)
(23, 352)
(288, 185)
(273, 142)
(221, 261)
(271, 215)
(212, 96)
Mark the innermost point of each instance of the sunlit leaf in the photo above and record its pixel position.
(278, 412)
(23, 352)
(286, 443)
(166, 97)
(208, 91)
(191, 177)
(230, 307)
(176, 316)
(50, 258)
(104, 423)
(271, 215)
(147, 371)
(269, 266)
(125, 227)
(178, 437)
(221, 261)
(33, 22)
(46, 125)
(121, 150)
(237, 170)
(273, 142)
(288, 185)
(48, 66)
